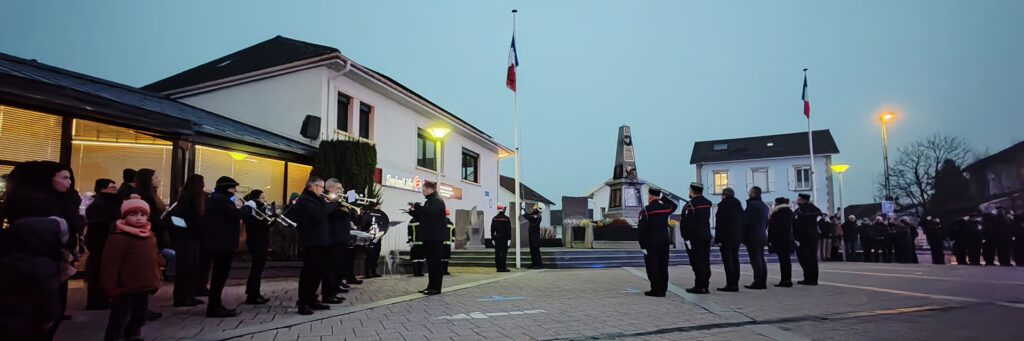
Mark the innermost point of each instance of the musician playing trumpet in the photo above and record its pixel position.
(339, 256)
(257, 219)
(375, 222)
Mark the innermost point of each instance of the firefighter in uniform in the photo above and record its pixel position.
(446, 256)
(696, 230)
(415, 246)
(654, 237)
(534, 219)
(805, 232)
(501, 234)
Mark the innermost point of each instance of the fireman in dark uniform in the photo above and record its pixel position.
(654, 237)
(375, 222)
(534, 219)
(805, 232)
(415, 245)
(446, 255)
(696, 230)
(501, 235)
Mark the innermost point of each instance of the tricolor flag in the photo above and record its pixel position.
(807, 101)
(513, 62)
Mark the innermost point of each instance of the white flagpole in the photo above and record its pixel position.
(519, 205)
(810, 143)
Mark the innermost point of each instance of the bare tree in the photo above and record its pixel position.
(912, 175)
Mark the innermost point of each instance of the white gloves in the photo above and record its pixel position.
(508, 243)
(645, 251)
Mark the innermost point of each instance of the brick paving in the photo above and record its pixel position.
(855, 301)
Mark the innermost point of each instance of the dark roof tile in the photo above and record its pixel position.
(509, 184)
(762, 147)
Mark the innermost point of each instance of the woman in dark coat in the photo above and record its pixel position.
(101, 214)
(185, 225)
(257, 238)
(32, 185)
(31, 272)
(780, 239)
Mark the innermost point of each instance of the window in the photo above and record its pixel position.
(298, 174)
(365, 120)
(251, 172)
(803, 178)
(470, 165)
(426, 153)
(344, 103)
(721, 181)
(103, 151)
(616, 198)
(759, 178)
(28, 135)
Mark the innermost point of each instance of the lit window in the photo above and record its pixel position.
(470, 165)
(251, 172)
(28, 135)
(100, 151)
(721, 181)
(803, 178)
(760, 178)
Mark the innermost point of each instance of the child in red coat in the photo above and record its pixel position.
(130, 271)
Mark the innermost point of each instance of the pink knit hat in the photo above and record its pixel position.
(135, 204)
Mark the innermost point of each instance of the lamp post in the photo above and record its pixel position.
(885, 118)
(438, 133)
(840, 169)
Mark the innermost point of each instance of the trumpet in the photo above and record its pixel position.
(341, 202)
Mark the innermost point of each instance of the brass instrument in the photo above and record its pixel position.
(341, 202)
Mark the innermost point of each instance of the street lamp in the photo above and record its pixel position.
(886, 117)
(840, 169)
(438, 133)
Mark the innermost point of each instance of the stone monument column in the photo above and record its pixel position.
(625, 200)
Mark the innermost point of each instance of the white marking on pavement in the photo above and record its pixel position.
(502, 298)
(731, 315)
(923, 277)
(479, 315)
(630, 290)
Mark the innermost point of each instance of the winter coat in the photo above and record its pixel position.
(696, 221)
(826, 229)
(729, 223)
(126, 191)
(186, 210)
(805, 223)
(501, 228)
(310, 216)
(755, 223)
(222, 222)
(432, 219)
(339, 225)
(30, 277)
(26, 202)
(653, 229)
(780, 229)
(850, 231)
(101, 214)
(130, 265)
(257, 231)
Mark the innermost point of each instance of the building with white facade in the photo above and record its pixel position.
(779, 164)
(279, 84)
(599, 197)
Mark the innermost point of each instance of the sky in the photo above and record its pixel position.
(675, 71)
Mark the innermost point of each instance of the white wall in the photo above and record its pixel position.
(778, 179)
(505, 197)
(600, 200)
(277, 104)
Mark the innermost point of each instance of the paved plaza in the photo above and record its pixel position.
(855, 301)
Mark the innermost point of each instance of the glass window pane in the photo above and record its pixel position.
(28, 135)
(344, 102)
(297, 175)
(100, 151)
(365, 119)
(251, 172)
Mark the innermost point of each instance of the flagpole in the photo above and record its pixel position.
(519, 205)
(810, 143)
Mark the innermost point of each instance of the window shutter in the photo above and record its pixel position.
(750, 179)
(771, 180)
(792, 179)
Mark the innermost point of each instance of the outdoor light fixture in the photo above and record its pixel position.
(438, 132)
(887, 116)
(840, 168)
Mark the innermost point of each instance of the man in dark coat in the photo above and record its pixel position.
(728, 233)
(826, 231)
(127, 183)
(1004, 235)
(221, 230)
(337, 262)
(101, 214)
(932, 228)
(32, 267)
(433, 234)
(851, 234)
(533, 218)
(780, 239)
(501, 235)
(755, 221)
(310, 214)
(989, 237)
(654, 237)
(696, 231)
(805, 232)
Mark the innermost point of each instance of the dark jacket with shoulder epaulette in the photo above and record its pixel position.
(501, 227)
(653, 229)
(805, 223)
(696, 220)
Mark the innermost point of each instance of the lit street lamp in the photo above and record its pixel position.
(885, 118)
(438, 133)
(840, 169)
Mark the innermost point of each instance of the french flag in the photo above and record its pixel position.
(807, 101)
(513, 62)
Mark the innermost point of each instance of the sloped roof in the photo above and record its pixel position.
(160, 113)
(1011, 154)
(664, 190)
(509, 184)
(270, 53)
(762, 147)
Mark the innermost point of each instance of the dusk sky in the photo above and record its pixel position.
(676, 71)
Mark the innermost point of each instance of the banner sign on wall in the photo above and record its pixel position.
(410, 182)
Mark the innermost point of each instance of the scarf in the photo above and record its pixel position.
(140, 231)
